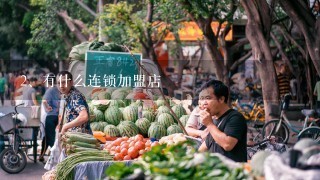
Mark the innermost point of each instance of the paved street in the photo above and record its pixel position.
(33, 171)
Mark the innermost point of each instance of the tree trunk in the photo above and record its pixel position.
(308, 25)
(75, 30)
(165, 81)
(257, 32)
(102, 24)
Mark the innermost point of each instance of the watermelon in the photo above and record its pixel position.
(157, 131)
(128, 128)
(98, 115)
(111, 130)
(165, 119)
(113, 115)
(160, 102)
(91, 108)
(102, 105)
(148, 115)
(184, 119)
(173, 129)
(143, 125)
(102, 125)
(130, 113)
(120, 94)
(101, 95)
(117, 103)
(163, 109)
(179, 110)
(104, 95)
(137, 103)
(95, 126)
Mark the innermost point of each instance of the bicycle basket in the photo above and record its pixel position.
(6, 123)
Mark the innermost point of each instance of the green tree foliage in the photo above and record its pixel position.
(50, 34)
(14, 29)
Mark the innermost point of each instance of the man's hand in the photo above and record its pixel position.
(205, 117)
(49, 108)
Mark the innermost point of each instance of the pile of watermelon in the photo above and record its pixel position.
(117, 117)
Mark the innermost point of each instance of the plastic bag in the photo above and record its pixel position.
(275, 168)
(54, 155)
(43, 120)
(35, 112)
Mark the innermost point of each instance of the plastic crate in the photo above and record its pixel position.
(6, 123)
(26, 133)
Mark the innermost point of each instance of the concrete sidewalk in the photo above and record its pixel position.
(33, 171)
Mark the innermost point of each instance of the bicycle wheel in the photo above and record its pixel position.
(310, 132)
(246, 108)
(11, 162)
(281, 133)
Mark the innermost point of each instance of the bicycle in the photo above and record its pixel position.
(12, 159)
(255, 117)
(279, 128)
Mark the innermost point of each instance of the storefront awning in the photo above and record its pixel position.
(190, 31)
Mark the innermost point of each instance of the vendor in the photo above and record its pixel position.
(77, 110)
(228, 134)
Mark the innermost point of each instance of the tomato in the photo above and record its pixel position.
(148, 143)
(138, 137)
(125, 145)
(123, 142)
(109, 146)
(118, 149)
(155, 143)
(147, 149)
(141, 152)
(127, 157)
(112, 152)
(133, 152)
(125, 138)
(131, 144)
(139, 145)
(124, 151)
(113, 148)
(116, 142)
(118, 157)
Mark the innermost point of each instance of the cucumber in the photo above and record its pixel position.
(80, 149)
(86, 145)
(77, 138)
(78, 133)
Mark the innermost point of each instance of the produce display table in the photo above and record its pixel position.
(94, 169)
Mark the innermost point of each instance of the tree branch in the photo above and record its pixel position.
(84, 6)
(23, 6)
(240, 61)
(293, 41)
(71, 26)
(239, 44)
(283, 54)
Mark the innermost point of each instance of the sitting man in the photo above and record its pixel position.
(228, 133)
